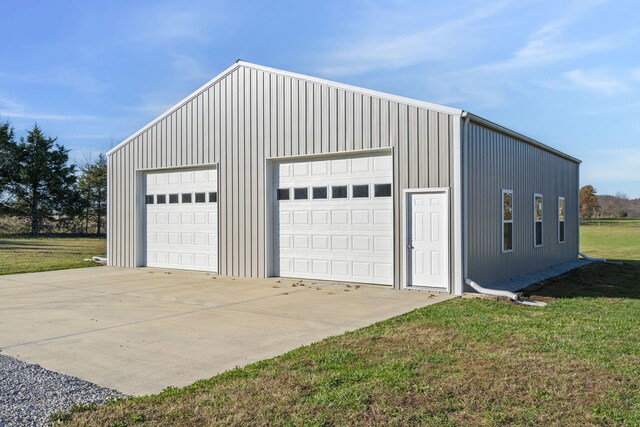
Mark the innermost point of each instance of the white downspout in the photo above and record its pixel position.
(507, 294)
(588, 258)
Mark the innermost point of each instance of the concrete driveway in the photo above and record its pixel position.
(141, 330)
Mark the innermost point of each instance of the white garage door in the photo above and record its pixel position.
(182, 219)
(334, 219)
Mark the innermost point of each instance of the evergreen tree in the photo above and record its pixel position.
(92, 187)
(41, 187)
(7, 153)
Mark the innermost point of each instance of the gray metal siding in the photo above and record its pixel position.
(494, 162)
(250, 115)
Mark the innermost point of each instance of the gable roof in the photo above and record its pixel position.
(330, 83)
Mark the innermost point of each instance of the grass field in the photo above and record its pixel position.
(462, 362)
(615, 239)
(19, 254)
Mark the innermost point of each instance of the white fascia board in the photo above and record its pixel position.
(494, 126)
(383, 95)
(175, 107)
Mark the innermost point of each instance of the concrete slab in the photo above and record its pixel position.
(142, 330)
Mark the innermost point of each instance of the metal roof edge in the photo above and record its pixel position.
(186, 99)
(514, 134)
(384, 95)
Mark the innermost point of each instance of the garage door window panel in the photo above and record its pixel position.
(382, 190)
(173, 198)
(283, 194)
(161, 199)
(301, 193)
(186, 197)
(360, 191)
(319, 193)
(339, 192)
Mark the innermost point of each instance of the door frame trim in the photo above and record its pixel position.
(406, 264)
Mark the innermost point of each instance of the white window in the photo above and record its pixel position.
(507, 220)
(560, 219)
(537, 220)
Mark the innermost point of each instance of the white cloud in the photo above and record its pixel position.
(378, 50)
(13, 109)
(598, 80)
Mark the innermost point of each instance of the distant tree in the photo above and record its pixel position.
(92, 187)
(589, 205)
(41, 187)
(7, 153)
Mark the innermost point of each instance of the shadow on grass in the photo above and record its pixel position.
(596, 280)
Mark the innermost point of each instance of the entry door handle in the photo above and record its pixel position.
(410, 244)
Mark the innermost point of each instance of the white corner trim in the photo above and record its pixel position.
(458, 188)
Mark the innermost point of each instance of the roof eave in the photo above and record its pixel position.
(514, 134)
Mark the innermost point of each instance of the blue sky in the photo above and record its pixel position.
(565, 73)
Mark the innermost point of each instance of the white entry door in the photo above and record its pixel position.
(428, 239)
(181, 219)
(333, 219)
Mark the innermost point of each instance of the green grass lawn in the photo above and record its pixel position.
(575, 362)
(612, 239)
(20, 254)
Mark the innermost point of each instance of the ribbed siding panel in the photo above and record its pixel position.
(250, 115)
(497, 162)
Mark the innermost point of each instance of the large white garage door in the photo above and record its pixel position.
(334, 219)
(182, 219)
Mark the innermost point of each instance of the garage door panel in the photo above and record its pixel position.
(182, 233)
(348, 239)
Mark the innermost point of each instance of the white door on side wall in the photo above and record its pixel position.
(333, 219)
(428, 240)
(181, 219)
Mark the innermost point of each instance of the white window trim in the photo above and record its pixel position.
(535, 196)
(562, 220)
(503, 222)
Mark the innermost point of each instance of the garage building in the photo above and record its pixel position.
(263, 172)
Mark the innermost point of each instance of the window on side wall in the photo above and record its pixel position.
(507, 220)
(560, 219)
(537, 220)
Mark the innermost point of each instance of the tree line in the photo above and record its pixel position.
(42, 188)
(593, 205)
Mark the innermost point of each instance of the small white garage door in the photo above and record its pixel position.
(182, 219)
(334, 219)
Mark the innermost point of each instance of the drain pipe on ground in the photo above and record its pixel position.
(498, 293)
(588, 258)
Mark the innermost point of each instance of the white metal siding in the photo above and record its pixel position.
(249, 115)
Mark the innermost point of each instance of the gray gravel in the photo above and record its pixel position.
(29, 394)
(519, 283)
